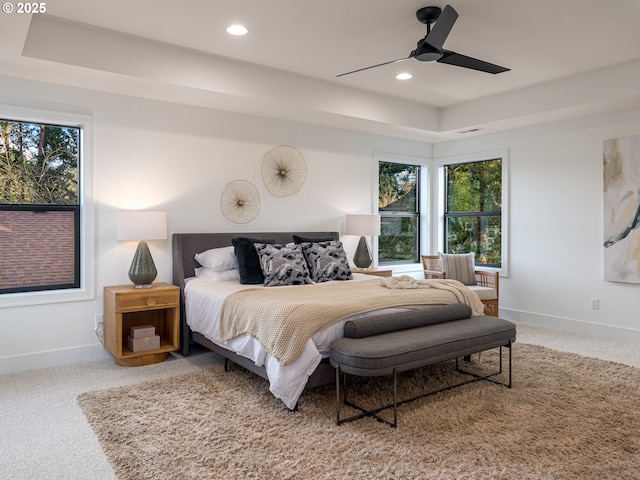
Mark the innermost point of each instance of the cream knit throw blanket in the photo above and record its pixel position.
(284, 319)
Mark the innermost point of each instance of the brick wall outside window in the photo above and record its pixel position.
(36, 248)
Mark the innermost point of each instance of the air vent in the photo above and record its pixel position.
(471, 130)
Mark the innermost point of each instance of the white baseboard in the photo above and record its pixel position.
(571, 325)
(52, 358)
(87, 353)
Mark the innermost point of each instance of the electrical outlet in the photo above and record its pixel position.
(595, 303)
(99, 319)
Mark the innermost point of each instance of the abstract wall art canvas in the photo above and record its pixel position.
(622, 209)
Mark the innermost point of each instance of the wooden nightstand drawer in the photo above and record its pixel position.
(137, 301)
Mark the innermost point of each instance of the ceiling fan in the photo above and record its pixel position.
(430, 48)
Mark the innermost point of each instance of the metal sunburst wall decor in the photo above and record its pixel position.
(284, 170)
(240, 201)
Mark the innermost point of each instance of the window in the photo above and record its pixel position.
(473, 210)
(39, 207)
(399, 208)
(45, 229)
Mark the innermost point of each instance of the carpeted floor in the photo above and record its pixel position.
(567, 417)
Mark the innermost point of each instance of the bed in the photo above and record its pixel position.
(203, 300)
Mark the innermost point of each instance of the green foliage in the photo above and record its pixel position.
(481, 235)
(398, 240)
(474, 205)
(475, 186)
(398, 205)
(38, 164)
(397, 186)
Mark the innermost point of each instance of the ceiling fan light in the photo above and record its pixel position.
(404, 76)
(428, 56)
(237, 30)
(425, 52)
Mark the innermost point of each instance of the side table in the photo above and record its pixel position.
(126, 307)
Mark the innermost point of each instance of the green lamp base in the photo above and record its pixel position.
(362, 258)
(142, 271)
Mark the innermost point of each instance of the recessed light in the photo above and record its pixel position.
(237, 30)
(404, 76)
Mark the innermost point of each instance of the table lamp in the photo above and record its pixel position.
(363, 225)
(142, 226)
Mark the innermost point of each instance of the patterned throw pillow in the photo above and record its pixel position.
(282, 264)
(327, 261)
(459, 266)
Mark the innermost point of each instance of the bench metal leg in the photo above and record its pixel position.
(364, 412)
(490, 376)
(338, 394)
(396, 403)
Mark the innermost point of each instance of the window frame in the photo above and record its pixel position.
(422, 190)
(441, 189)
(86, 288)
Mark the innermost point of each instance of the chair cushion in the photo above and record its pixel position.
(484, 293)
(460, 267)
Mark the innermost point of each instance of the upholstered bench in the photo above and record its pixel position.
(390, 343)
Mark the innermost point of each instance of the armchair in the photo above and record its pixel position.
(483, 282)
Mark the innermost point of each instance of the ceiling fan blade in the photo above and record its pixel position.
(374, 66)
(453, 58)
(442, 27)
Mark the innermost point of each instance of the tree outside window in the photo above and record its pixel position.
(473, 210)
(398, 205)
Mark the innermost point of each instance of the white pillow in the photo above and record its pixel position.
(218, 259)
(232, 275)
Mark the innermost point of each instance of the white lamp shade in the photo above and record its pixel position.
(141, 225)
(363, 225)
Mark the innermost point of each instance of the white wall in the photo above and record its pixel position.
(556, 225)
(155, 155)
(150, 154)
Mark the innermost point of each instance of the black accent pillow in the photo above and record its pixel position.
(248, 260)
(299, 239)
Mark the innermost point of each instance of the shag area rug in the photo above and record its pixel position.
(566, 417)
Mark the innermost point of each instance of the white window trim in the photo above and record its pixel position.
(439, 190)
(86, 291)
(425, 219)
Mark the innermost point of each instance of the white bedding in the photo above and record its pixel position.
(203, 303)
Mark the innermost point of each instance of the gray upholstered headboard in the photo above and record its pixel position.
(186, 245)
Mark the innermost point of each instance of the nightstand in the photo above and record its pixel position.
(126, 307)
(378, 272)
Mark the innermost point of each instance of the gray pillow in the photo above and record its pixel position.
(327, 261)
(378, 324)
(282, 264)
